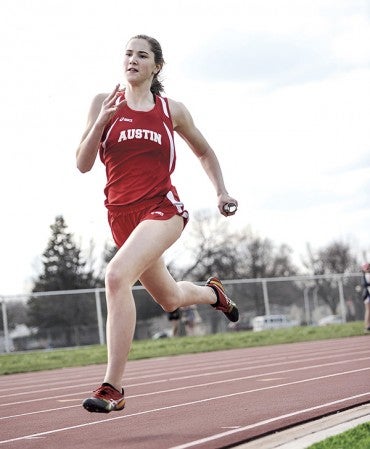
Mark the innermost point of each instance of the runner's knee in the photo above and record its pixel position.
(115, 277)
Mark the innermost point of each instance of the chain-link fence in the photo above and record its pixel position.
(76, 318)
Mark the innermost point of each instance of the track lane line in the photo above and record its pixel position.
(238, 363)
(239, 393)
(209, 373)
(258, 424)
(252, 376)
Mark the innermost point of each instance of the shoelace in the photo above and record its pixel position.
(103, 391)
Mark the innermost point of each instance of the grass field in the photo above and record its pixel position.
(90, 355)
(357, 438)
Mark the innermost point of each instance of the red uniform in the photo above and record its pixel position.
(138, 151)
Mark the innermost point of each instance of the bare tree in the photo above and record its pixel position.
(212, 248)
(335, 258)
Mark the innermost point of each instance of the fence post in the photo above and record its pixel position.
(306, 305)
(100, 317)
(315, 298)
(5, 325)
(265, 297)
(341, 299)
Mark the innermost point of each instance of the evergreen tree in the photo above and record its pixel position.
(63, 269)
(63, 266)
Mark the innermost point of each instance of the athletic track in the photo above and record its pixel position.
(208, 400)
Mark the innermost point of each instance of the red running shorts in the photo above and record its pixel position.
(124, 219)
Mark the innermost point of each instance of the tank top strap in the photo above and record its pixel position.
(163, 103)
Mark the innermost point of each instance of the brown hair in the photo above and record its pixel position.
(157, 86)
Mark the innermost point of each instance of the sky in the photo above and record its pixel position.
(280, 89)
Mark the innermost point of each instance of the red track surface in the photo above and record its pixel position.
(209, 400)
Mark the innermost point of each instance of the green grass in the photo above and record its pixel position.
(356, 438)
(90, 355)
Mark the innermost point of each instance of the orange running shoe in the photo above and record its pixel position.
(105, 399)
(223, 303)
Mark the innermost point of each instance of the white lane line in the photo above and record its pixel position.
(187, 387)
(270, 379)
(269, 365)
(258, 424)
(42, 411)
(238, 364)
(184, 404)
(177, 378)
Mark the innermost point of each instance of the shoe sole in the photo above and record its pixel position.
(99, 406)
(233, 315)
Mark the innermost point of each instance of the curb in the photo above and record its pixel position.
(304, 435)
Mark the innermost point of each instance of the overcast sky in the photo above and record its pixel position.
(279, 88)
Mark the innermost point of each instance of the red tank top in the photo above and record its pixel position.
(138, 151)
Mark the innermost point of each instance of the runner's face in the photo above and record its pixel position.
(139, 62)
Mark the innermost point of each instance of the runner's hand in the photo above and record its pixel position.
(110, 106)
(227, 205)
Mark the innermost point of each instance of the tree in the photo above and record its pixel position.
(63, 266)
(63, 269)
(334, 258)
(238, 254)
(262, 259)
(211, 248)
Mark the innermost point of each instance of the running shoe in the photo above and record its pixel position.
(105, 399)
(223, 303)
